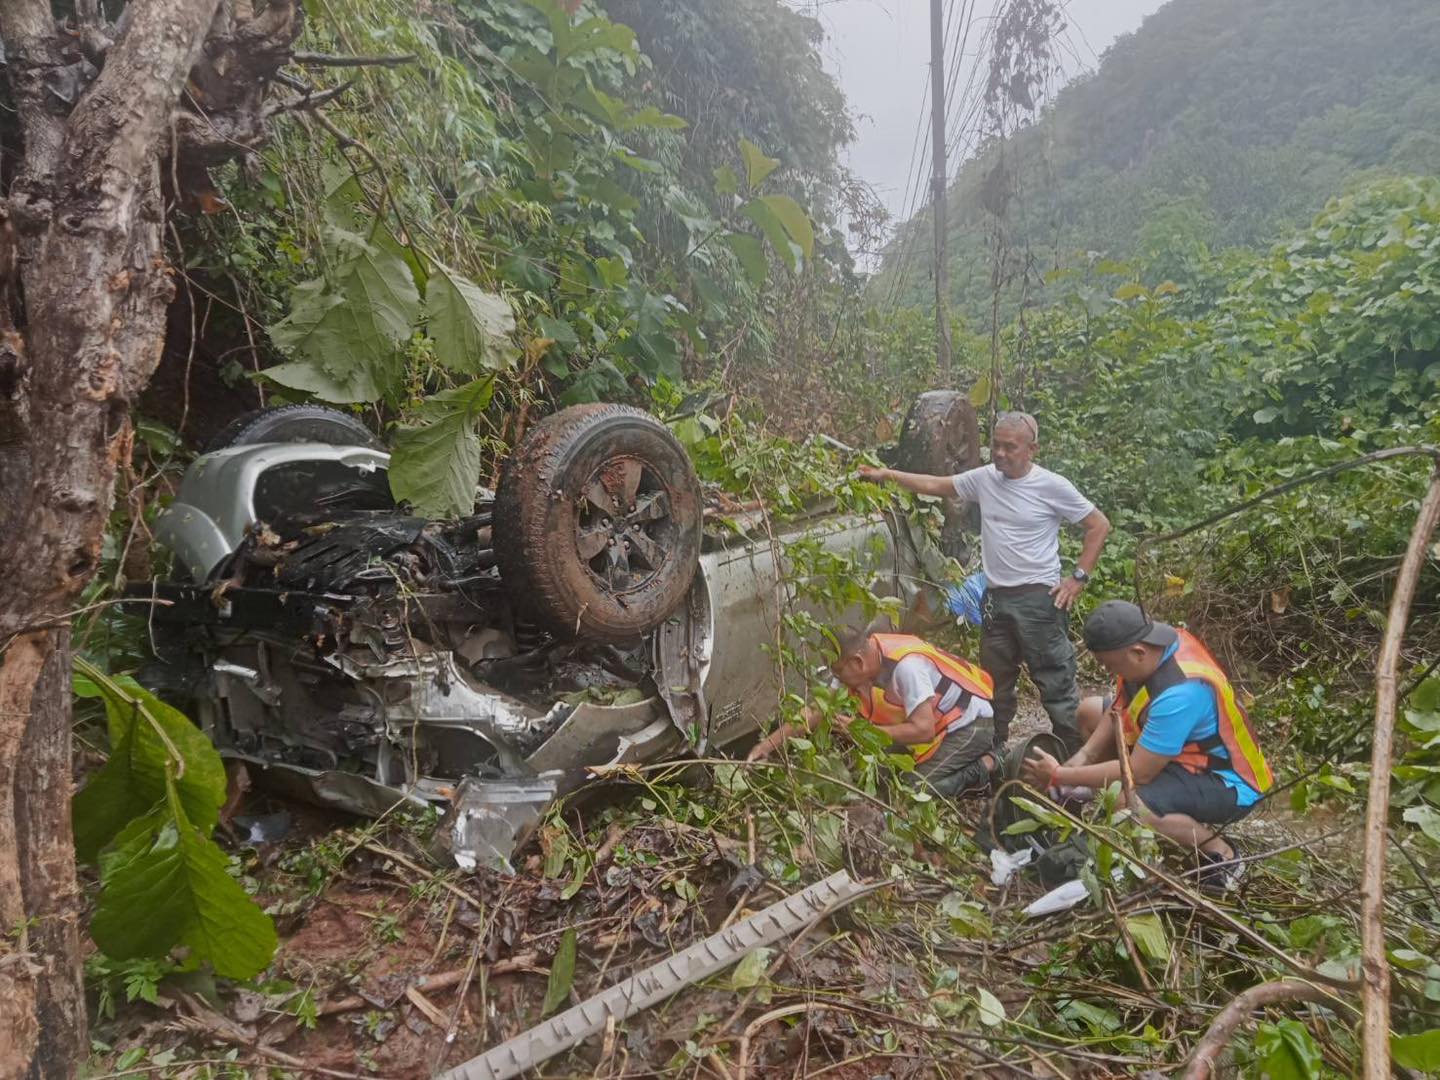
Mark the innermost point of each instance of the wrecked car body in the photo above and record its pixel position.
(357, 656)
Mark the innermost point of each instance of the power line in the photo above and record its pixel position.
(921, 158)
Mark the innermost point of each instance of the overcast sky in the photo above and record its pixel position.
(880, 50)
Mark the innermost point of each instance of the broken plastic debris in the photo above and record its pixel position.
(1003, 864)
(1060, 898)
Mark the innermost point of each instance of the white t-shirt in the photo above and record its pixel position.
(1020, 522)
(915, 680)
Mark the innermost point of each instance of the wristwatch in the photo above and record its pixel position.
(1080, 575)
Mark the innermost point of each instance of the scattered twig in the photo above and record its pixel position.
(207, 1022)
(526, 961)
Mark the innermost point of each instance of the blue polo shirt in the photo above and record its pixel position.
(1188, 713)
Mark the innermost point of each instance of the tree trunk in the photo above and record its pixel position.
(88, 219)
(47, 866)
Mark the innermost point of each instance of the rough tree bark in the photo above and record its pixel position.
(82, 317)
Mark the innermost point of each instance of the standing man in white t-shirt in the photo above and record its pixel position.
(1027, 607)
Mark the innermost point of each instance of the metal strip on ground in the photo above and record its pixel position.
(656, 983)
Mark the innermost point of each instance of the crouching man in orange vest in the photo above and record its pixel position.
(1193, 753)
(938, 706)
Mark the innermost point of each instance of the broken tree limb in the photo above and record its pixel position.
(1222, 1029)
(328, 60)
(1374, 967)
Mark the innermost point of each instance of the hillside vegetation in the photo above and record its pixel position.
(1218, 123)
(1228, 253)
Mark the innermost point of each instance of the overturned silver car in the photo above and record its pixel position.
(355, 655)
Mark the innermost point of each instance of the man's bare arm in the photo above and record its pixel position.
(1097, 528)
(919, 726)
(940, 486)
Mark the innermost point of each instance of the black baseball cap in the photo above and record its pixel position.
(1118, 624)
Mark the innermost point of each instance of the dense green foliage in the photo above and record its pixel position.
(508, 201)
(629, 200)
(1218, 123)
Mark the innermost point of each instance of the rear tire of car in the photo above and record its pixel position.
(294, 424)
(597, 523)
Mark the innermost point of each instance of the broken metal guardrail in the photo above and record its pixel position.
(660, 981)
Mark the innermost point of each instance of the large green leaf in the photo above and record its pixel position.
(1421, 1052)
(1427, 818)
(796, 222)
(345, 335)
(783, 222)
(435, 465)
(167, 884)
(146, 737)
(757, 165)
(652, 117)
(751, 253)
(562, 974)
(1287, 1051)
(471, 328)
(559, 331)
(1150, 937)
(774, 231)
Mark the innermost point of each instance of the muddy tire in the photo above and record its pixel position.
(597, 523)
(293, 424)
(941, 435)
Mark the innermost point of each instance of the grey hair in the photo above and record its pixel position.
(1019, 419)
(852, 639)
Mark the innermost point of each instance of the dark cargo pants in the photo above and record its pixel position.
(956, 766)
(1023, 626)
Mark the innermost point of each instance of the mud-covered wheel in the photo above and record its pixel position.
(293, 424)
(597, 523)
(941, 435)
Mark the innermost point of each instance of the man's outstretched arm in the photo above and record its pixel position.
(942, 487)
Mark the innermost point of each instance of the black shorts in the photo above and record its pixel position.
(1203, 796)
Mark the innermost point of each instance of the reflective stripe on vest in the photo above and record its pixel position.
(882, 711)
(1235, 733)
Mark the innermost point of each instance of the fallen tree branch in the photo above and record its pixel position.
(526, 961)
(327, 60)
(1222, 1029)
(1375, 968)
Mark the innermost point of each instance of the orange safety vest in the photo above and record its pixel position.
(1191, 660)
(883, 710)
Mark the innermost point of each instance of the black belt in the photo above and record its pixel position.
(1011, 590)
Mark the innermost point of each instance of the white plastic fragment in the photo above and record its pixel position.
(1004, 864)
(1061, 898)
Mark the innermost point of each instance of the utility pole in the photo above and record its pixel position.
(937, 185)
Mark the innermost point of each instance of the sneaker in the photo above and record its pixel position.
(1217, 875)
